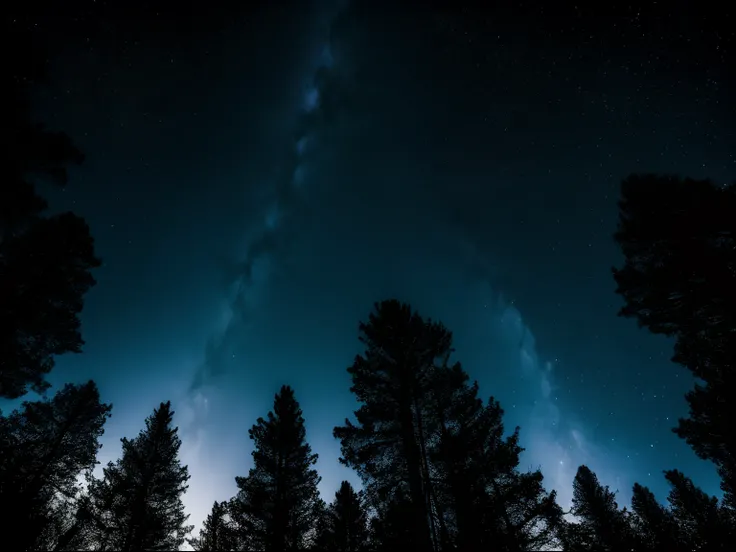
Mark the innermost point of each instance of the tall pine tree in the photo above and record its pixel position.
(44, 448)
(345, 524)
(137, 505)
(703, 524)
(427, 446)
(486, 502)
(602, 526)
(654, 525)
(277, 504)
(217, 531)
(388, 446)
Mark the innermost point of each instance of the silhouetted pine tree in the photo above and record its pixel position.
(388, 446)
(277, 504)
(486, 501)
(654, 525)
(345, 522)
(217, 533)
(532, 517)
(602, 526)
(45, 262)
(420, 415)
(679, 279)
(703, 524)
(44, 447)
(137, 505)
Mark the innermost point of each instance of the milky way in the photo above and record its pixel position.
(284, 197)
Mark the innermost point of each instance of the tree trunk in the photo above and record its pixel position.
(414, 469)
(426, 482)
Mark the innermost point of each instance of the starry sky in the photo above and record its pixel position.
(257, 178)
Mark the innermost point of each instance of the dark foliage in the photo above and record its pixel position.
(600, 526)
(217, 533)
(485, 500)
(137, 505)
(702, 523)
(44, 274)
(427, 447)
(654, 524)
(344, 527)
(388, 446)
(473, 496)
(45, 261)
(691, 521)
(678, 237)
(391, 528)
(44, 448)
(278, 502)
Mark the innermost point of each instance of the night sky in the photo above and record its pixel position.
(256, 179)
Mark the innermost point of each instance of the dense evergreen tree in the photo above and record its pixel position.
(81, 527)
(345, 522)
(44, 448)
(419, 414)
(601, 525)
(44, 273)
(137, 505)
(485, 500)
(388, 446)
(692, 521)
(678, 237)
(654, 525)
(217, 531)
(703, 524)
(278, 502)
(45, 261)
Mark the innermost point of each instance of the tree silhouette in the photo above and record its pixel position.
(45, 261)
(602, 526)
(278, 502)
(388, 447)
(420, 414)
(702, 523)
(487, 502)
(679, 279)
(44, 448)
(345, 525)
(44, 273)
(217, 531)
(654, 525)
(137, 505)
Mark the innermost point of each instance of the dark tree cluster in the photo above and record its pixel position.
(678, 237)
(51, 500)
(45, 260)
(440, 472)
